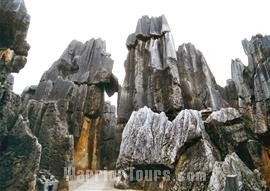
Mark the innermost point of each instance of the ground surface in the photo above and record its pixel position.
(98, 182)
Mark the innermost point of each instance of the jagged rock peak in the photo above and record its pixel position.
(147, 28)
(87, 63)
(252, 82)
(152, 27)
(257, 49)
(238, 72)
(198, 85)
(152, 77)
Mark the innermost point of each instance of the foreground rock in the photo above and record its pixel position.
(19, 158)
(232, 165)
(150, 138)
(189, 145)
(20, 150)
(151, 141)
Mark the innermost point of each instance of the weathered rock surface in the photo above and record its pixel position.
(232, 165)
(252, 82)
(68, 114)
(198, 160)
(229, 132)
(87, 63)
(191, 140)
(150, 138)
(19, 158)
(50, 128)
(109, 142)
(14, 25)
(198, 85)
(9, 111)
(190, 145)
(20, 151)
(152, 77)
(165, 80)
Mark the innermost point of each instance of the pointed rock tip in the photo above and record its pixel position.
(151, 27)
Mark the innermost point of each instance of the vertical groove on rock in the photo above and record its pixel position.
(265, 165)
(95, 163)
(87, 154)
(152, 78)
(81, 153)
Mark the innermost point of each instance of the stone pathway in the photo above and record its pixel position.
(98, 182)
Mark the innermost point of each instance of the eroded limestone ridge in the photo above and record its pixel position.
(222, 132)
(253, 83)
(198, 85)
(20, 151)
(152, 77)
(62, 122)
(174, 116)
(67, 111)
(162, 78)
(213, 148)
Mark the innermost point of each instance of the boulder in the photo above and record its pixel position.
(150, 138)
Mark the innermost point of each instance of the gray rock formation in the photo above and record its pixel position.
(67, 112)
(252, 82)
(14, 25)
(229, 132)
(150, 139)
(49, 126)
(165, 80)
(19, 158)
(152, 77)
(20, 151)
(46, 181)
(229, 93)
(232, 165)
(64, 121)
(81, 64)
(191, 141)
(109, 141)
(198, 85)
(189, 145)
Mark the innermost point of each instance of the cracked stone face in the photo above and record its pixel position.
(172, 115)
